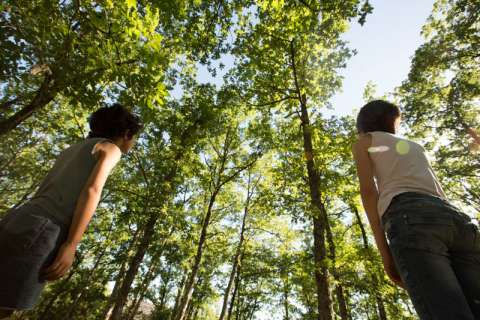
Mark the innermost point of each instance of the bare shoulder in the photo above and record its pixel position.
(107, 149)
(363, 142)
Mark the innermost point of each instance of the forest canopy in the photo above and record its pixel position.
(240, 199)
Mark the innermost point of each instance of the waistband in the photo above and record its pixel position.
(44, 213)
(406, 198)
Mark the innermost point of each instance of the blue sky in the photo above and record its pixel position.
(385, 45)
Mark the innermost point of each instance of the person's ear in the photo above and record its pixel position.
(127, 136)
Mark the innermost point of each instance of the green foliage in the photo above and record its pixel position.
(440, 96)
(237, 146)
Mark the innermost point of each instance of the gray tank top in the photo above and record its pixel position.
(59, 191)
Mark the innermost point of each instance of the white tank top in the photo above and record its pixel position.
(400, 165)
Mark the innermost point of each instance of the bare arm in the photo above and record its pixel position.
(108, 156)
(369, 194)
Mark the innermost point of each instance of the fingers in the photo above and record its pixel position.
(55, 264)
(56, 270)
(56, 273)
(398, 281)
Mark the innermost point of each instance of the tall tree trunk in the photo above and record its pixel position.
(147, 279)
(181, 289)
(116, 287)
(164, 291)
(236, 287)
(187, 294)
(382, 314)
(237, 254)
(342, 304)
(132, 271)
(147, 236)
(324, 303)
(190, 311)
(285, 299)
(138, 298)
(219, 181)
(118, 280)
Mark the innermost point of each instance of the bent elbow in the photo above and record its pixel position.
(93, 192)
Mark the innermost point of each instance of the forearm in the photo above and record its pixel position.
(370, 200)
(86, 206)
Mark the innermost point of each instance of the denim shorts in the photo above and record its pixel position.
(29, 242)
(436, 249)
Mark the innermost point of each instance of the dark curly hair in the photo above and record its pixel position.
(377, 115)
(113, 122)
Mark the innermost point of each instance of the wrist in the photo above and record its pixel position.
(71, 243)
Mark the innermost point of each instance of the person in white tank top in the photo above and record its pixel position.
(433, 249)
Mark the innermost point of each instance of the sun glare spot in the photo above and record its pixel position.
(402, 147)
(378, 149)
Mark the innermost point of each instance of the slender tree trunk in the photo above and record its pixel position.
(147, 279)
(181, 289)
(190, 311)
(137, 300)
(236, 287)
(147, 236)
(164, 291)
(133, 267)
(74, 305)
(382, 314)
(190, 284)
(237, 255)
(321, 272)
(319, 250)
(116, 287)
(285, 300)
(119, 279)
(342, 304)
(219, 181)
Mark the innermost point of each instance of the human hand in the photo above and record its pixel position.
(392, 272)
(63, 261)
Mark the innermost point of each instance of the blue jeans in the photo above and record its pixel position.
(436, 249)
(29, 242)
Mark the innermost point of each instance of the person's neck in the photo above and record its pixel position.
(119, 142)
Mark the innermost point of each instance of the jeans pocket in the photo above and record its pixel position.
(430, 232)
(22, 230)
(46, 241)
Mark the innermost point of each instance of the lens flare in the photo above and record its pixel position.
(378, 149)
(402, 147)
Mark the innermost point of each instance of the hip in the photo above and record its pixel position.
(26, 231)
(422, 221)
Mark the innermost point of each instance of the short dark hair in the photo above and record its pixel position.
(377, 115)
(113, 122)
